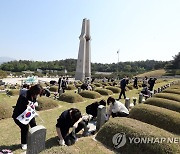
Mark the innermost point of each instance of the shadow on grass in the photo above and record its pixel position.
(52, 142)
(10, 147)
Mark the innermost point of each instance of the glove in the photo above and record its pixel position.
(36, 104)
(61, 142)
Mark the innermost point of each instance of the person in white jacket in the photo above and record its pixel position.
(116, 108)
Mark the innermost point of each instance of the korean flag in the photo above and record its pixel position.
(27, 115)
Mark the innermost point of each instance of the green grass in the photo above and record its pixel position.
(134, 129)
(165, 103)
(10, 132)
(156, 73)
(159, 117)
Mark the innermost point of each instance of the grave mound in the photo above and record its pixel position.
(157, 116)
(90, 94)
(53, 88)
(71, 98)
(136, 130)
(170, 96)
(174, 91)
(104, 91)
(70, 87)
(164, 103)
(5, 110)
(13, 92)
(45, 103)
(113, 89)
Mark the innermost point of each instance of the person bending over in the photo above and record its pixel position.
(92, 108)
(69, 118)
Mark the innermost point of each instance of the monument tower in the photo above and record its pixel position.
(83, 67)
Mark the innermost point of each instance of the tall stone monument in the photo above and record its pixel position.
(83, 68)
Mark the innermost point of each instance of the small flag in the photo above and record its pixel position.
(27, 115)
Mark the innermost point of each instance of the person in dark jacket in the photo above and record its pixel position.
(92, 108)
(135, 83)
(69, 118)
(21, 106)
(123, 84)
(151, 83)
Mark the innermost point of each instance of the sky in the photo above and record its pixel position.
(47, 30)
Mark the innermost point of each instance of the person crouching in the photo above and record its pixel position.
(116, 108)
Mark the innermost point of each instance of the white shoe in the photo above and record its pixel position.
(24, 146)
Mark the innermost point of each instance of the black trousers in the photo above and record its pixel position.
(24, 129)
(71, 138)
(122, 93)
(119, 114)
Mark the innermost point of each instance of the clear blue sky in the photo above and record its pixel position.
(49, 29)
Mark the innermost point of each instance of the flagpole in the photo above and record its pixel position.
(40, 118)
(118, 63)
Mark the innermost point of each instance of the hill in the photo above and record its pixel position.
(156, 73)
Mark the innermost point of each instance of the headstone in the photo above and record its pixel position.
(36, 139)
(140, 97)
(155, 91)
(151, 93)
(134, 100)
(101, 116)
(162, 88)
(127, 103)
(79, 90)
(60, 92)
(93, 88)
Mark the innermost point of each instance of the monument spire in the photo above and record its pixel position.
(83, 67)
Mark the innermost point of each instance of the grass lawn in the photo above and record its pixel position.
(10, 132)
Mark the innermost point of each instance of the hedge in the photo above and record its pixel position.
(104, 91)
(170, 96)
(113, 89)
(45, 103)
(71, 97)
(165, 103)
(5, 110)
(157, 116)
(13, 92)
(174, 91)
(90, 94)
(137, 130)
